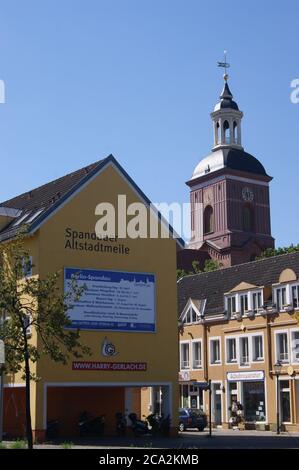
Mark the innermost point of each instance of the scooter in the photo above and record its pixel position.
(139, 428)
(159, 425)
(91, 426)
(121, 424)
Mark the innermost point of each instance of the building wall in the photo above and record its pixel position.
(218, 373)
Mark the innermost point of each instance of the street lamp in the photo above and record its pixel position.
(277, 370)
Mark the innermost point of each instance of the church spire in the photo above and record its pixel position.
(226, 117)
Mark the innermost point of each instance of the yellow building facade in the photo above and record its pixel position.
(239, 329)
(127, 357)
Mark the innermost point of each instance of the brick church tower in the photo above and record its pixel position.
(229, 193)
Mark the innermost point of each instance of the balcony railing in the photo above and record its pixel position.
(244, 360)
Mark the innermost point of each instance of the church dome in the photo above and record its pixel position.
(235, 159)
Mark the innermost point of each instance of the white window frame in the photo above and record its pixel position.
(211, 339)
(181, 358)
(193, 341)
(238, 295)
(292, 331)
(288, 296)
(254, 335)
(294, 284)
(227, 338)
(276, 333)
(240, 338)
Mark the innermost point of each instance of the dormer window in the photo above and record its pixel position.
(190, 317)
(244, 303)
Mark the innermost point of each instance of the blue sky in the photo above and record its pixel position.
(138, 79)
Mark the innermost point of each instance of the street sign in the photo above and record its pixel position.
(2, 352)
(202, 385)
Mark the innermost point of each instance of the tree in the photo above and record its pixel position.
(34, 309)
(210, 265)
(269, 252)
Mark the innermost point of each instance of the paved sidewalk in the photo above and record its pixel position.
(221, 439)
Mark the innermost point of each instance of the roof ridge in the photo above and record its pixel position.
(67, 175)
(239, 265)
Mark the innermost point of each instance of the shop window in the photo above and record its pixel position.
(208, 219)
(215, 351)
(254, 401)
(257, 348)
(244, 351)
(185, 356)
(295, 346)
(282, 349)
(184, 396)
(196, 354)
(231, 350)
(285, 403)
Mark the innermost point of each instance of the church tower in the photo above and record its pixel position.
(229, 193)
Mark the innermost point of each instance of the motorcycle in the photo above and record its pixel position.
(139, 428)
(121, 424)
(159, 425)
(91, 426)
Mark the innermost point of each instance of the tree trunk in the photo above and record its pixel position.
(28, 411)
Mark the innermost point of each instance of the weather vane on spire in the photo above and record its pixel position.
(225, 65)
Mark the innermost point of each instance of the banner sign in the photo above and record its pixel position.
(113, 300)
(250, 376)
(110, 366)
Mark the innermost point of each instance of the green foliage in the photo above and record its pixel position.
(18, 444)
(32, 305)
(278, 251)
(2, 445)
(210, 265)
(66, 445)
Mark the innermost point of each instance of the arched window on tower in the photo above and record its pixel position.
(208, 217)
(226, 132)
(218, 138)
(235, 138)
(248, 218)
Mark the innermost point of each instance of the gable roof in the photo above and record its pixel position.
(37, 205)
(213, 285)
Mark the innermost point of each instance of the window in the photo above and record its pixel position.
(185, 357)
(285, 402)
(247, 219)
(226, 132)
(243, 303)
(281, 297)
(231, 351)
(295, 346)
(295, 296)
(257, 301)
(208, 220)
(196, 355)
(215, 351)
(231, 305)
(190, 317)
(257, 348)
(282, 353)
(244, 351)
